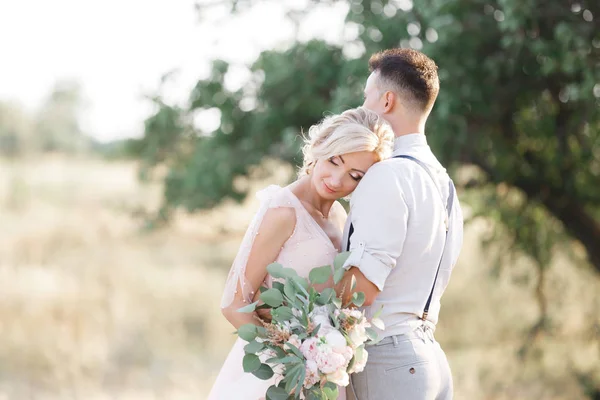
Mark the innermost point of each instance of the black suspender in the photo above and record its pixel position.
(447, 222)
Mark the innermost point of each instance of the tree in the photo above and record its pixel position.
(519, 101)
(58, 121)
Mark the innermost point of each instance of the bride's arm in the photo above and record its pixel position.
(339, 215)
(275, 229)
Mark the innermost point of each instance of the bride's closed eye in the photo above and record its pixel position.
(355, 176)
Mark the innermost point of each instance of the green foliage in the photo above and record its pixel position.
(299, 314)
(519, 100)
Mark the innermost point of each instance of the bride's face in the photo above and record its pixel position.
(338, 176)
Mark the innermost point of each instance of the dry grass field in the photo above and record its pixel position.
(94, 307)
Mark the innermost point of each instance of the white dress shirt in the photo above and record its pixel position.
(399, 219)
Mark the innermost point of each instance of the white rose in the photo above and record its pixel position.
(339, 377)
(335, 339)
(360, 361)
(358, 335)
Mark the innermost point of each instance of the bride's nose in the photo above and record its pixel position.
(335, 181)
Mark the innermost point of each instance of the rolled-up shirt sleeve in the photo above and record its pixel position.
(379, 215)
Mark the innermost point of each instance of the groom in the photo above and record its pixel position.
(404, 232)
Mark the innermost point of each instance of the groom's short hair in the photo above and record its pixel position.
(409, 73)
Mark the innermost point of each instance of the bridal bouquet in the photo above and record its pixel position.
(314, 341)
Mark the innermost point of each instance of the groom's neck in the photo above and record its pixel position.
(403, 125)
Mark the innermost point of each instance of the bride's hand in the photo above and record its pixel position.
(263, 314)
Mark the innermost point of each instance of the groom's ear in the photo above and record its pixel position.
(390, 101)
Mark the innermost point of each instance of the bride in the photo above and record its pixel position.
(299, 226)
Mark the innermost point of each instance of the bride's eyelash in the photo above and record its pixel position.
(331, 161)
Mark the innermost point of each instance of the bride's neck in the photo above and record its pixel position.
(305, 190)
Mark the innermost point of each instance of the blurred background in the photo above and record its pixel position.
(134, 134)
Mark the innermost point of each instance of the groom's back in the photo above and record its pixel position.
(423, 200)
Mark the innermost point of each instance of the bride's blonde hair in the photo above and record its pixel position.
(357, 129)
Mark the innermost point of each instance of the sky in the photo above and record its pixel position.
(119, 50)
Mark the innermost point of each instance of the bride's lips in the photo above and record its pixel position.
(328, 189)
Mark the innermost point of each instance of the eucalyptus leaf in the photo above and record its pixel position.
(325, 296)
(254, 347)
(264, 372)
(251, 363)
(249, 308)
(278, 286)
(289, 291)
(358, 298)
(277, 271)
(277, 393)
(281, 314)
(338, 274)
(337, 302)
(320, 275)
(247, 332)
(272, 297)
(340, 259)
(301, 284)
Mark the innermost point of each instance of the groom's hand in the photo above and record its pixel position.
(362, 285)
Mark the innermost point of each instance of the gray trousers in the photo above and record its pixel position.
(411, 366)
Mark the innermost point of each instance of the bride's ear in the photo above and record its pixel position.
(310, 167)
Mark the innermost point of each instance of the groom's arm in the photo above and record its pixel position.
(379, 217)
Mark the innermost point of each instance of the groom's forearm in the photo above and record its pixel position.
(343, 288)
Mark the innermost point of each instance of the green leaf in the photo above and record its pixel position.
(289, 291)
(301, 378)
(284, 360)
(251, 363)
(277, 393)
(325, 296)
(247, 332)
(296, 351)
(378, 312)
(254, 347)
(281, 314)
(331, 394)
(312, 396)
(301, 284)
(338, 274)
(371, 333)
(278, 286)
(337, 302)
(378, 323)
(320, 275)
(272, 297)
(358, 298)
(277, 271)
(292, 376)
(340, 259)
(249, 308)
(264, 372)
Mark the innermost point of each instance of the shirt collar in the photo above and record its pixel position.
(407, 142)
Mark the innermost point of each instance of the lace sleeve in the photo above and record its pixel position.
(236, 280)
